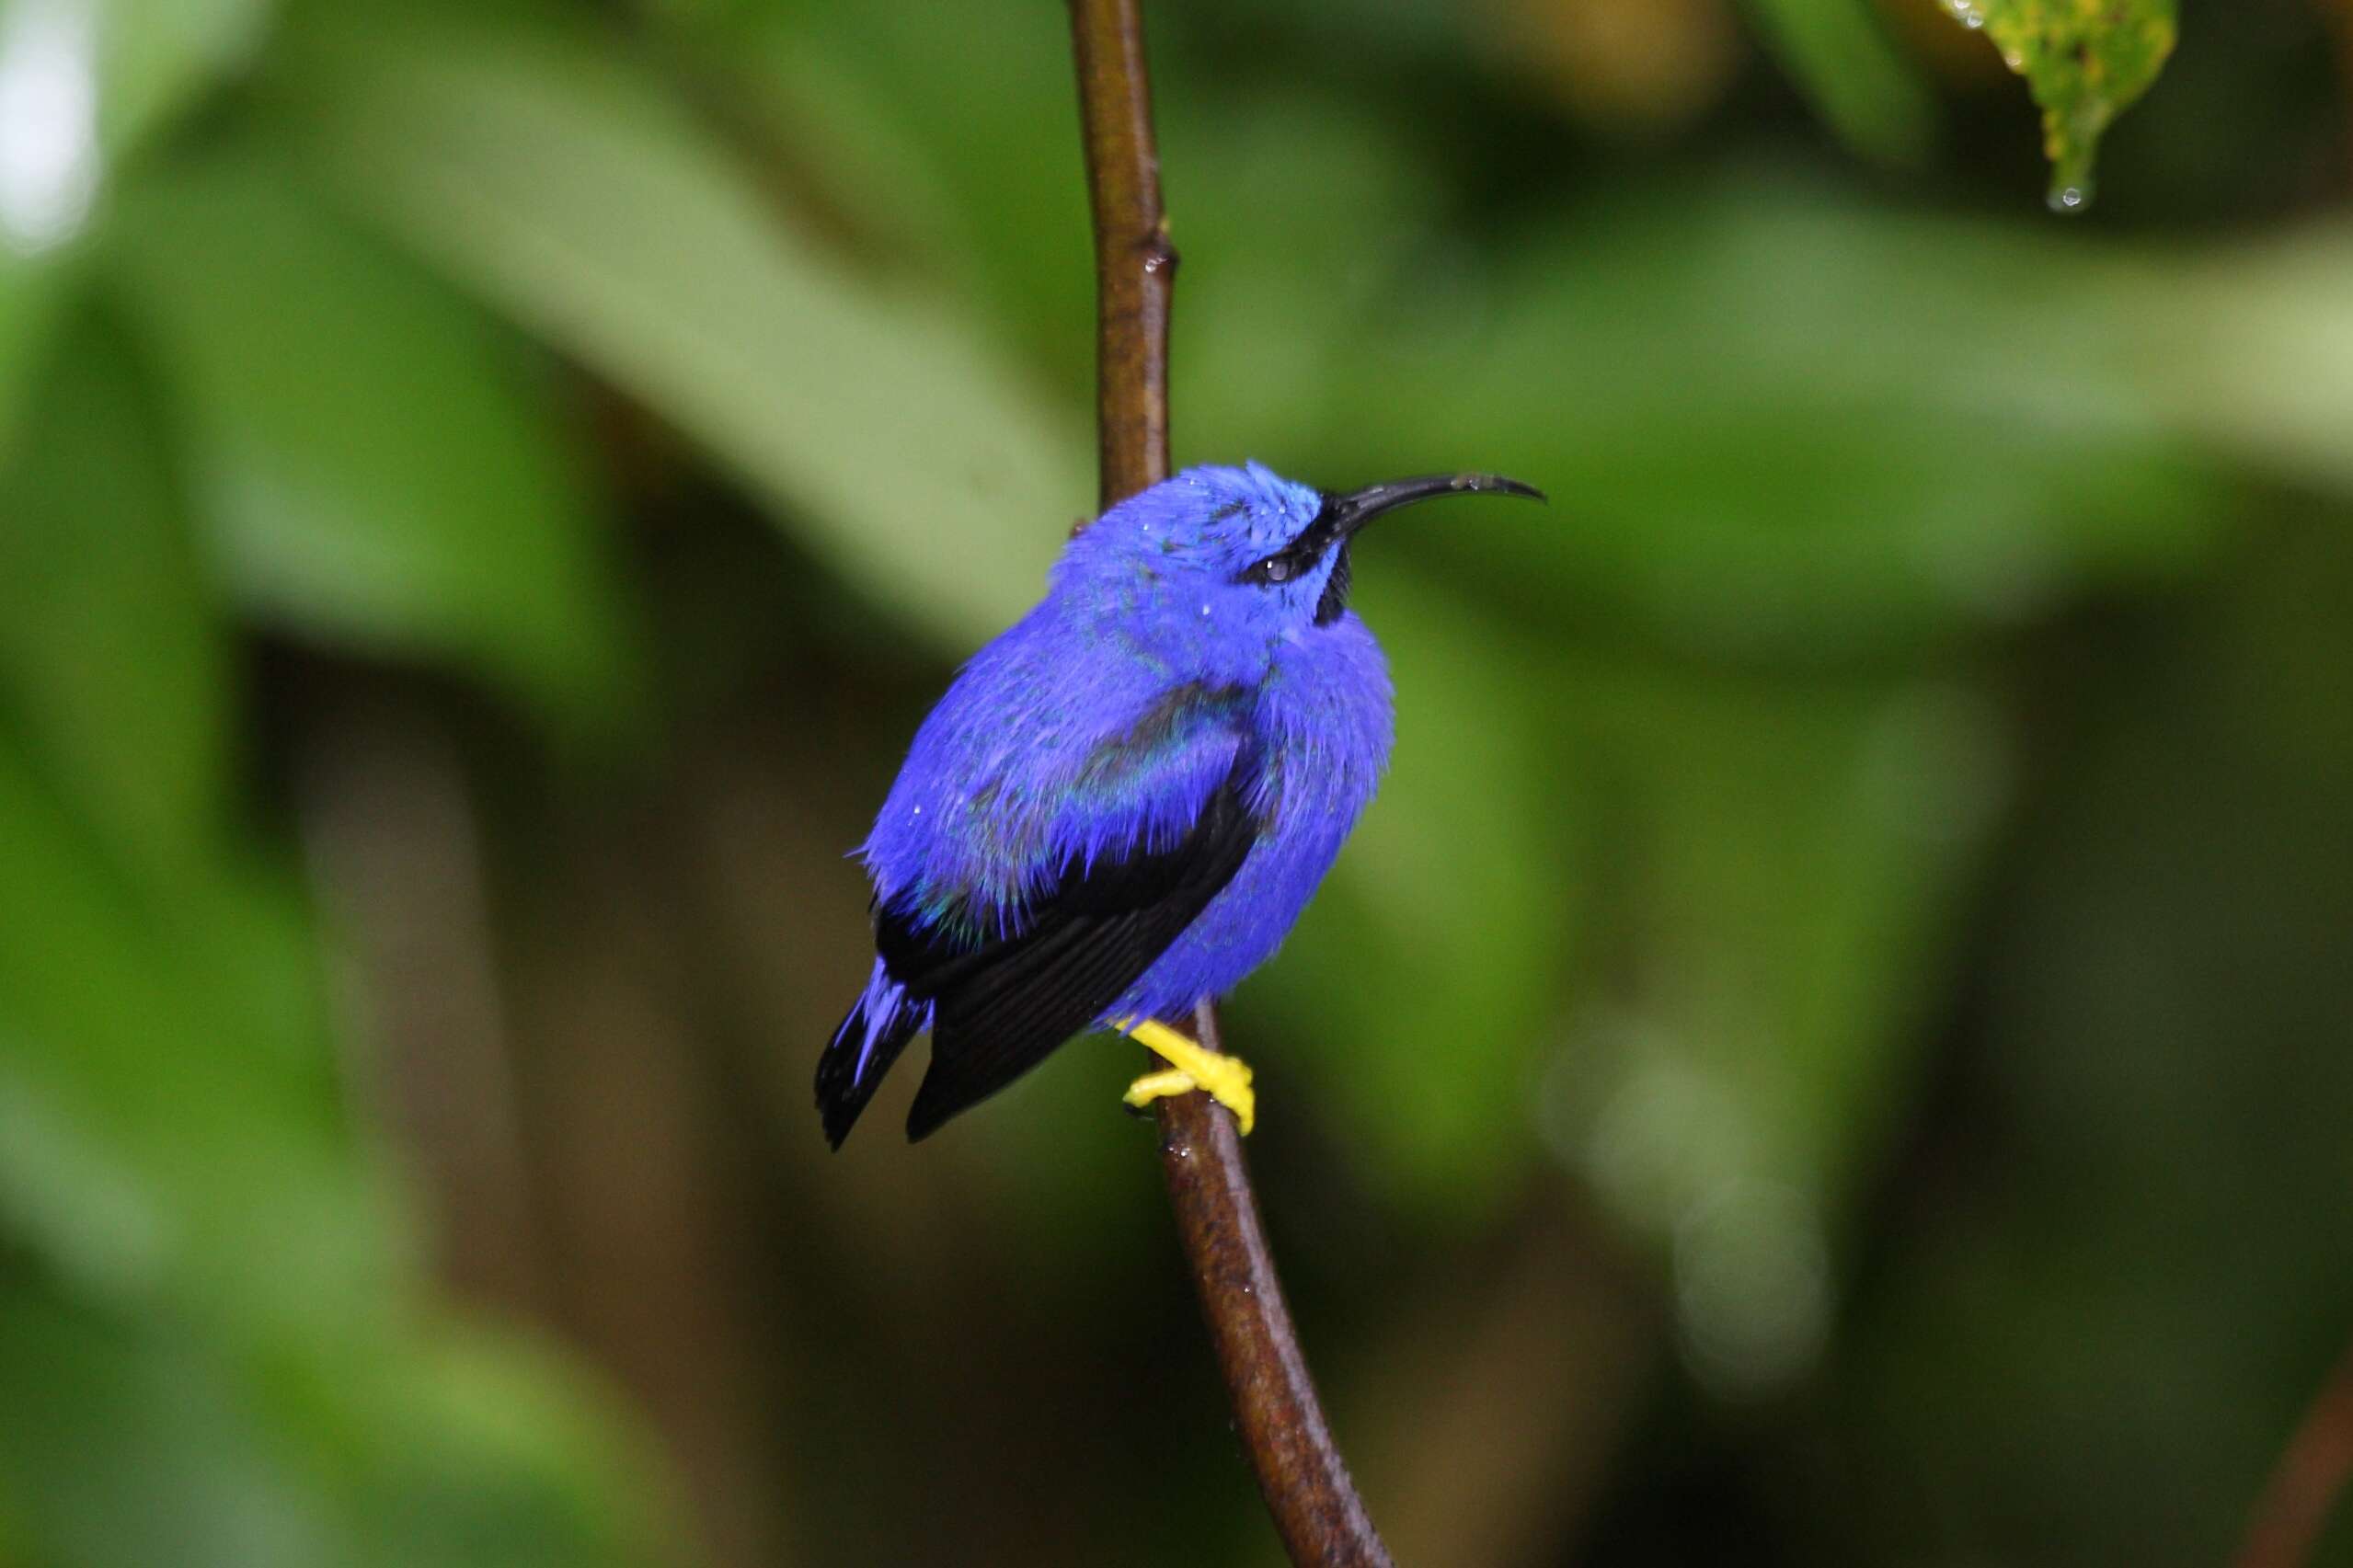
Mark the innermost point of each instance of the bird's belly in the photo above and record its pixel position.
(1239, 931)
(1320, 774)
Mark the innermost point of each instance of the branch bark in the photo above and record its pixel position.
(2312, 1474)
(1306, 1484)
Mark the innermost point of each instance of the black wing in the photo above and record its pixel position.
(1002, 1008)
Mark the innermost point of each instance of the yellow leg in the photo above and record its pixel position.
(1224, 1079)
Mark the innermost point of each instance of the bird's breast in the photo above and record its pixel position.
(1326, 716)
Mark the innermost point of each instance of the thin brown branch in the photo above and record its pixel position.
(1301, 1474)
(1135, 267)
(1300, 1471)
(2311, 1476)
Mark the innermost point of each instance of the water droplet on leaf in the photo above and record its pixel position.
(2084, 64)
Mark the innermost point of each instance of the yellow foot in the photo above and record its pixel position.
(1224, 1079)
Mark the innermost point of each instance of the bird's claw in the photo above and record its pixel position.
(1191, 1065)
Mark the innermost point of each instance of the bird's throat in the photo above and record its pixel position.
(1335, 601)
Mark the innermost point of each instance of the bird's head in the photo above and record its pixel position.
(1241, 552)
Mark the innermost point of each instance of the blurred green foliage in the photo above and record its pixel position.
(1832, 1041)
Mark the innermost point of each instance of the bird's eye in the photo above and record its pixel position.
(1271, 569)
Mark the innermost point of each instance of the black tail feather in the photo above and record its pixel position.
(841, 1090)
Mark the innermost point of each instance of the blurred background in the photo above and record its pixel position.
(1830, 1048)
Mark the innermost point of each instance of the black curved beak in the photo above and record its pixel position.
(1342, 516)
(1345, 514)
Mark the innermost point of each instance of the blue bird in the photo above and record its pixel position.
(1125, 800)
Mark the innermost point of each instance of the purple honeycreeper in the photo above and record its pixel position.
(1124, 802)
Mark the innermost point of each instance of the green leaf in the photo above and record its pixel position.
(488, 1451)
(581, 199)
(30, 292)
(157, 58)
(110, 650)
(112, 74)
(69, 1198)
(146, 1052)
(132, 1440)
(1782, 482)
(125, 1444)
(241, 1374)
(2245, 348)
(115, 73)
(950, 135)
(2168, 963)
(1798, 845)
(1842, 60)
(1782, 863)
(371, 459)
(2085, 61)
(1264, 328)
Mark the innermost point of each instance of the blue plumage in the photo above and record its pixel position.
(1124, 802)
